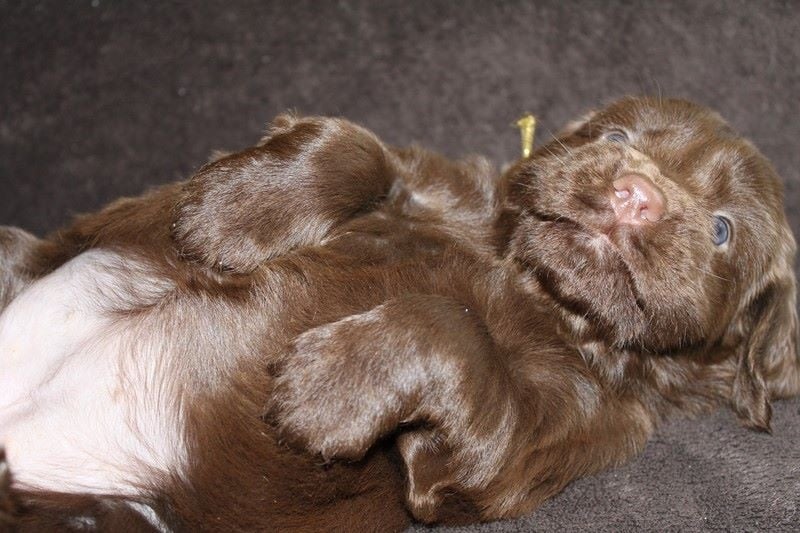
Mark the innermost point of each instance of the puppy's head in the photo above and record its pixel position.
(658, 229)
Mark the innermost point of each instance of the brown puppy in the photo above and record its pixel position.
(508, 337)
(647, 267)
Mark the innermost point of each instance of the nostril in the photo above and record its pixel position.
(622, 193)
(636, 200)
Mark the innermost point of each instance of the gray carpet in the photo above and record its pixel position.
(100, 99)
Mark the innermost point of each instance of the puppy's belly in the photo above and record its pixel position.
(86, 403)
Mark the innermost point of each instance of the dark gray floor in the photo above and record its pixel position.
(100, 99)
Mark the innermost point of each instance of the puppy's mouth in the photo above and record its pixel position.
(586, 273)
(608, 235)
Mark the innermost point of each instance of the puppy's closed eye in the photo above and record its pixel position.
(616, 136)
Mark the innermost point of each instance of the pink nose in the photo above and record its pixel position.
(636, 200)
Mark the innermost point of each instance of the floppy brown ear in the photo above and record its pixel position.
(768, 363)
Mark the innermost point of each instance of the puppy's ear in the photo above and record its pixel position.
(768, 363)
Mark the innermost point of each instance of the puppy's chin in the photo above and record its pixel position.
(593, 279)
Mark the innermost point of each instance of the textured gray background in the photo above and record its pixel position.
(101, 99)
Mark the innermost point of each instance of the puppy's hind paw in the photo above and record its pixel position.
(7, 507)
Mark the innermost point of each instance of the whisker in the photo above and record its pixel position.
(555, 138)
(549, 151)
(709, 273)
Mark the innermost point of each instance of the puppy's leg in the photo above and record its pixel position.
(306, 177)
(7, 507)
(18, 262)
(419, 363)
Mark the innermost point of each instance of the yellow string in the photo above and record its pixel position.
(527, 129)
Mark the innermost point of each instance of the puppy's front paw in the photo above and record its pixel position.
(308, 176)
(244, 208)
(327, 399)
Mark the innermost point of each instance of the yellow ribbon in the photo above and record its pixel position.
(527, 128)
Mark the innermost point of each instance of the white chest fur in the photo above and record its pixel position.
(86, 404)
